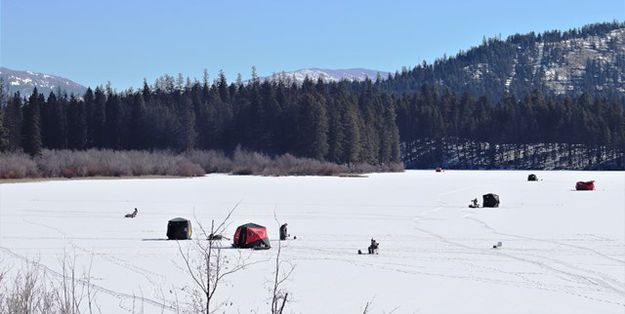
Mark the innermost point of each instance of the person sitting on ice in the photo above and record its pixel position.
(373, 248)
(133, 214)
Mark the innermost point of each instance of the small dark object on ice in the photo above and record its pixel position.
(261, 246)
(498, 245)
(359, 252)
(474, 203)
(133, 214)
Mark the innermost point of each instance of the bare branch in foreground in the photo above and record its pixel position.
(279, 295)
(32, 291)
(368, 306)
(207, 265)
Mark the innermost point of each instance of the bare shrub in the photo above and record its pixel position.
(89, 163)
(288, 164)
(362, 168)
(211, 160)
(17, 165)
(394, 167)
(247, 163)
(369, 168)
(250, 163)
(31, 291)
(189, 169)
(208, 266)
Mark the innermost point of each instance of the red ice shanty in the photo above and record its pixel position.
(585, 185)
(251, 235)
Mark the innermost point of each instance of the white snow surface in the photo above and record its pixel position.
(563, 250)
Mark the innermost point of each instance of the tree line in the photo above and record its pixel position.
(341, 122)
(331, 122)
(536, 118)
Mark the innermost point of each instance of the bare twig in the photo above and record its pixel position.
(33, 292)
(368, 306)
(286, 295)
(279, 296)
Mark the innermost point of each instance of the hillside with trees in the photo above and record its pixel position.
(590, 59)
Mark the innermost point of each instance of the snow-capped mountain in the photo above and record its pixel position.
(328, 75)
(25, 81)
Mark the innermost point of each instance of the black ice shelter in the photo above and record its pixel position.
(179, 229)
(490, 200)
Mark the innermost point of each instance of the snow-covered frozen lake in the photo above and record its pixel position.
(563, 250)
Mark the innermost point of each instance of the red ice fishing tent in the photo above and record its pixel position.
(251, 235)
(585, 185)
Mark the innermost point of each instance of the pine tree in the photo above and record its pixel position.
(31, 129)
(115, 121)
(76, 124)
(335, 131)
(391, 151)
(368, 125)
(59, 113)
(313, 136)
(272, 110)
(97, 123)
(54, 123)
(138, 123)
(4, 133)
(186, 128)
(351, 141)
(13, 122)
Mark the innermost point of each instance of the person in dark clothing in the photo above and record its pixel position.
(283, 232)
(373, 248)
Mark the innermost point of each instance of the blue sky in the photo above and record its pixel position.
(124, 41)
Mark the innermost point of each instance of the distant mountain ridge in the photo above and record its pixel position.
(328, 75)
(25, 81)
